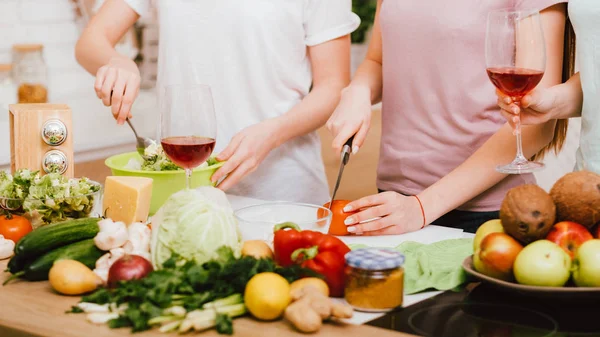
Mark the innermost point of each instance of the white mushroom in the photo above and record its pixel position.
(112, 234)
(7, 248)
(139, 238)
(103, 263)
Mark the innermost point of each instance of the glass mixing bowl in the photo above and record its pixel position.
(257, 222)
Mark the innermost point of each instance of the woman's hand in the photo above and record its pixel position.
(392, 212)
(538, 107)
(245, 152)
(117, 85)
(351, 117)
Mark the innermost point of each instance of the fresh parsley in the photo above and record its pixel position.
(188, 285)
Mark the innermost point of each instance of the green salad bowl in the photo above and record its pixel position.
(164, 183)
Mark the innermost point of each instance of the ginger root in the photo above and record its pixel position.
(310, 308)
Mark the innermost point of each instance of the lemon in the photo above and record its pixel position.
(267, 295)
(319, 284)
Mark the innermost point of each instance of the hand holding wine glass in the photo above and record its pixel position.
(537, 107)
(188, 126)
(515, 54)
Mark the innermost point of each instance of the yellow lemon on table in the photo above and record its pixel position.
(267, 295)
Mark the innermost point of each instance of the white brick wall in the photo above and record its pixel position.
(52, 23)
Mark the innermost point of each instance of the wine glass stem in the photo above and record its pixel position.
(188, 177)
(519, 142)
(519, 157)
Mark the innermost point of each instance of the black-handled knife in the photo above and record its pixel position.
(345, 156)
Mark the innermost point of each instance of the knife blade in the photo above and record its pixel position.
(345, 156)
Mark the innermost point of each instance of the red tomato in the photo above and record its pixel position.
(14, 227)
(338, 216)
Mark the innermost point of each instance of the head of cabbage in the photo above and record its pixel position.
(194, 225)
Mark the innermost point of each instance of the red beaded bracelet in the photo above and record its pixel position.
(422, 211)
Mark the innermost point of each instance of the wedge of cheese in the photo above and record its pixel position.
(127, 199)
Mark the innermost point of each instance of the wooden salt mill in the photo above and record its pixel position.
(41, 139)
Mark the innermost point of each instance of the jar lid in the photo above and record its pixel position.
(27, 47)
(374, 259)
(5, 67)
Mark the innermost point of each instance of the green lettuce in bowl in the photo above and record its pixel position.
(155, 159)
(165, 179)
(49, 198)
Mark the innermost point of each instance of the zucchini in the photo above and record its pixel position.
(47, 238)
(84, 251)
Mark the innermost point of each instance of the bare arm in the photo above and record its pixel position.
(117, 76)
(96, 46)
(331, 72)
(569, 98)
(477, 173)
(352, 116)
(368, 76)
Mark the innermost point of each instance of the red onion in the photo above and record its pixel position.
(129, 267)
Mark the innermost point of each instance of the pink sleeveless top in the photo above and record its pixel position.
(439, 106)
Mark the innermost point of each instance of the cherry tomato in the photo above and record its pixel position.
(14, 227)
(338, 216)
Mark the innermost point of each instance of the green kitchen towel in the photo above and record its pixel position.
(433, 266)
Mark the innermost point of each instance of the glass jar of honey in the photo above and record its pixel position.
(30, 73)
(374, 279)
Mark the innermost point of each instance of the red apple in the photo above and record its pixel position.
(496, 256)
(569, 236)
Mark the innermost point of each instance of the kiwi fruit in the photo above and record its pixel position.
(527, 213)
(577, 198)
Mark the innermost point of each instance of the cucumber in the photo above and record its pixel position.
(17, 263)
(47, 238)
(84, 251)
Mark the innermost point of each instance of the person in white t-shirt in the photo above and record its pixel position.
(276, 69)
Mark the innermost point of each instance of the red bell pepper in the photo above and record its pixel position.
(322, 253)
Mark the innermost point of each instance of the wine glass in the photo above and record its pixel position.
(188, 126)
(515, 54)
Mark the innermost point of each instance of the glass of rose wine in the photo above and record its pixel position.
(188, 126)
(515, 53)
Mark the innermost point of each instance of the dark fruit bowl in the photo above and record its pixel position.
(567, 292)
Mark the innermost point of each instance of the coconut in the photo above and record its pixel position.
(527, 213)
(577, 198)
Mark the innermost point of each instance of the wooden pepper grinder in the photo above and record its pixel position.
(41, 139)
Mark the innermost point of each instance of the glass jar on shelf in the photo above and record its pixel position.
(8, 90)
(30, 73)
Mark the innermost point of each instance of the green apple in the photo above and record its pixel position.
(542, 263)
(491, 226)
(586, 271)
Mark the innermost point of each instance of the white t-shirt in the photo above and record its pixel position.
(253, 54)
(585, 15)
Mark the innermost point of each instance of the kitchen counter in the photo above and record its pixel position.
(33, 309)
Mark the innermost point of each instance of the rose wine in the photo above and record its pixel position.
(188, 152)
(515, 82)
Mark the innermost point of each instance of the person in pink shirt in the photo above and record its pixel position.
(443, 134)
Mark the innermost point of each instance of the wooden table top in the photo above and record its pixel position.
(33, 309)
